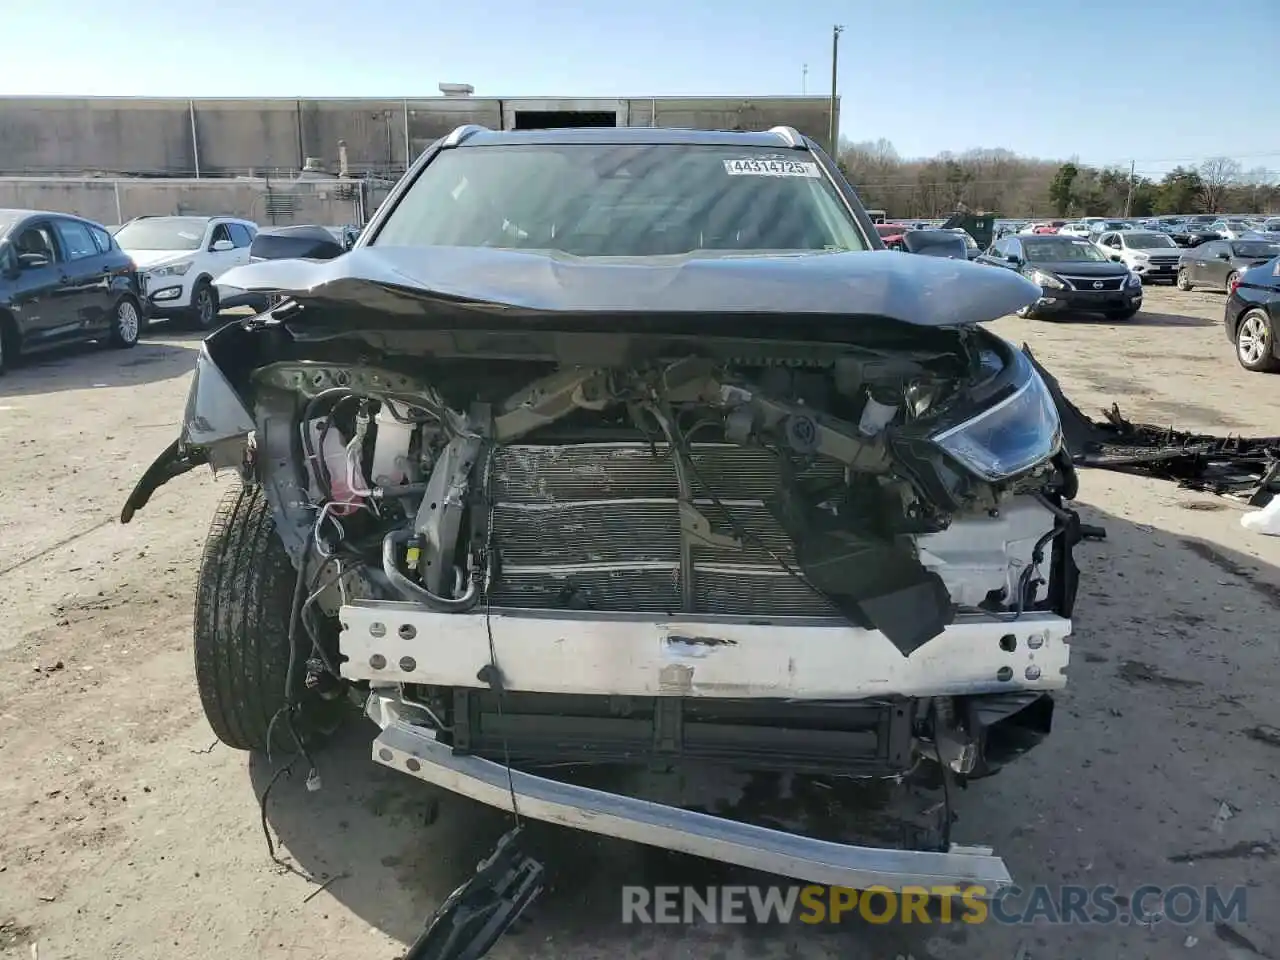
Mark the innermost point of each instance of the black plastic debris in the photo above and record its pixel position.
(1245, 468)
(476, 915)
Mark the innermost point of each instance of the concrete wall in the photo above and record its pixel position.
(141, 137)
(110, 201)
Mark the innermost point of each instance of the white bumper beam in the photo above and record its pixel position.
(691, 656)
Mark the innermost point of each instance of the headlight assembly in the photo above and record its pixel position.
(1011, 437)
(172, 270)
(1135, 280)
(1047, 280)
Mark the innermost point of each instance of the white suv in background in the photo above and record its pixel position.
(179, 258)
(1151, 254)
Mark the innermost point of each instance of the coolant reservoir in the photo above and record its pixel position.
(332, 448)
(391, 449)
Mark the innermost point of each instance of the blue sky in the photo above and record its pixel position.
(1159, 82)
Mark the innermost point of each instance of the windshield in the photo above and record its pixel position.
(1148, 241)
(1256, 249)
(1052, 250)
(1114, 225)
(162, 233)
(622, 200)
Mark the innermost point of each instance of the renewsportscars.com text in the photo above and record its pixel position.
(1146, 904)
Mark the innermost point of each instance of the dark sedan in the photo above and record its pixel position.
(1193, 234)
(1074, 276)
(1253, 316)
(1219, 263)
(63, 279)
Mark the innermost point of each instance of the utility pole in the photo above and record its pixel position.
(1128, 201)
(835, 61)
(804, 80)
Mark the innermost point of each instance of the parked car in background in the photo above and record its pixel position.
(936, 243)
(1251, 317)
(63, 279)
(299, 242)
(1270, 225)
(1098, 227)
(891, 234)
(1219, 263)
(1194, 233)
(1148, 253)
(1074, 276)
(973, 249)
(181, 258)
(1231, 228)
(1075, 228)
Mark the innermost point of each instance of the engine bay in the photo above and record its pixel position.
(714, 476)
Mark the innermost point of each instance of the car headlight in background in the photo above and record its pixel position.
(172, 270)
(1047, 280)
(1011, 437)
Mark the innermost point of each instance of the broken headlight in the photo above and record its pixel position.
(1010, 437)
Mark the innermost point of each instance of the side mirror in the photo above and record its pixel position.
(349, 241)
(1223, 255)
(1013, 258)
(222, 246)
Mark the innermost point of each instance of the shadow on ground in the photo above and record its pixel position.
(86, 366)
(1071, 811)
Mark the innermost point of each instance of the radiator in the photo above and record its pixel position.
(598, 527)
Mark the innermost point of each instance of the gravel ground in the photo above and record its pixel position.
(128, 833)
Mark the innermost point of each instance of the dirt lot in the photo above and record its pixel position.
(127, 833)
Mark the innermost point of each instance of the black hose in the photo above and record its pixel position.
(415, 592)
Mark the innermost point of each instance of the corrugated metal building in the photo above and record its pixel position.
(134, 137)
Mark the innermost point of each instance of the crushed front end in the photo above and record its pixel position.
(552, 547)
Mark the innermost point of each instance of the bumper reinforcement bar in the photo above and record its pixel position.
(416, 751)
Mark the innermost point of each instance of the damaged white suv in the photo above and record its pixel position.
(631, 448)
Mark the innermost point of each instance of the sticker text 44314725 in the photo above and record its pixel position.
(752, 167)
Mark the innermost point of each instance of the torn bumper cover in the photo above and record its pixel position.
(414, 750)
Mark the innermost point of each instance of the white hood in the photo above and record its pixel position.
(145, 259)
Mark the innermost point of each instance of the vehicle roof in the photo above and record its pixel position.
(18, 215)
(482, 137)
(189, 216)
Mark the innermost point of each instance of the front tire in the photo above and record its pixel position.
(204, 305)
(10, 343)
(244, 598)
(1184, 280)
(1026, 313)
(1255, 343)
(126, 323)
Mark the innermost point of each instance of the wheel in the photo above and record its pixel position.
(1254, 343)
(1232, 278)
(244, 599)
(204, 305)
(126, 323)
(10, 346)
(1128, 313)
(1184, 279)
(1026, 313)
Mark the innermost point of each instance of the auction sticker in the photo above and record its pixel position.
(754, 167)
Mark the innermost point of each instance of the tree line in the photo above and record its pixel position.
(999, 181)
